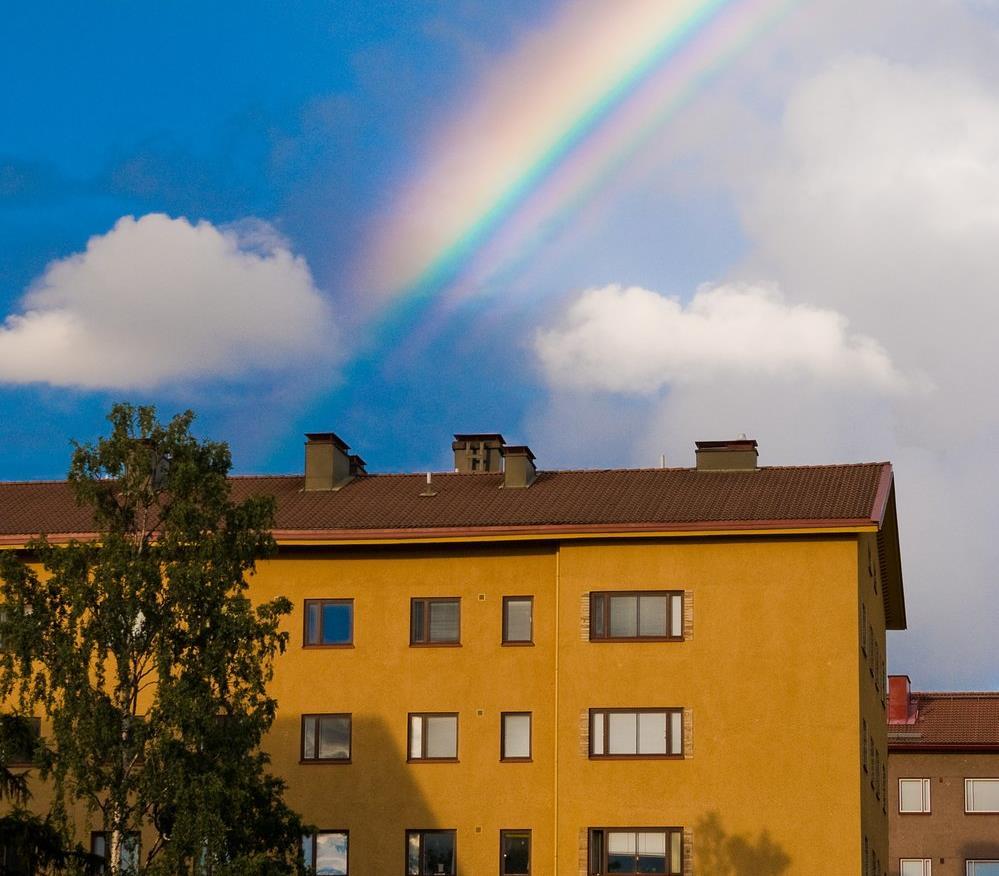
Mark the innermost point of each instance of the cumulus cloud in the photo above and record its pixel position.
(633, 340)
(157, 300)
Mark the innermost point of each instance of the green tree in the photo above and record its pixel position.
(149, 660)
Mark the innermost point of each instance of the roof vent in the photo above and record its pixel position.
(737, 455)
(518, 466)
(478, 452)
(328, 465)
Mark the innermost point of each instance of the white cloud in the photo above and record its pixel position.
(159, 300)
(633, 340)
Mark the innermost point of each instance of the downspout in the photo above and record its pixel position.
(558, 646)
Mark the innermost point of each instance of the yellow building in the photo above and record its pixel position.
(505, 670)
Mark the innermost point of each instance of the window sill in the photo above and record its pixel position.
(638, 639)
(517, 644)
(432, 760)
(516, 760)
(327, 647)
(435, 644)
(636, 757)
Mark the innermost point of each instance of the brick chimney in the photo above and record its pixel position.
(518, 466)
(900, 709)
(737, 455)
(480, 451)
(328, 465)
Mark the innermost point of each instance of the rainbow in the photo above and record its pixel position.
(541, 197)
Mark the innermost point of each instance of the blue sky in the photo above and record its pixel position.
(802, 250)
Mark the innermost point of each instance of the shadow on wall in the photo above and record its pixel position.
(723, 854)
(376, 797)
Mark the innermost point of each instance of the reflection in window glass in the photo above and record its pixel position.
(516, 732)
(516, 853)
(430, 853)
(329, 621)
(517, 619)
(325, 853)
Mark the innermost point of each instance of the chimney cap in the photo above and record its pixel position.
(327, 438)
(734, 444)
(518, 450)
(479, 436)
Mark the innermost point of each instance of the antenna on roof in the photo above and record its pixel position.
(662, 461)
(428, 490)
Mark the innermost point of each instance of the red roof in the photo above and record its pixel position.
(948, 719)
(601, 500)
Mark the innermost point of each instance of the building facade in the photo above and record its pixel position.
(513, 671)
(943, 768)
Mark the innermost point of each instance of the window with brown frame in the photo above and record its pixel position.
(515, 735)
(100, 846)
(433, 736)
(630, 850)
(435, 621)
(329, 623)
(636, 733)
(518, 620)
(326, 738)
(515, 853)
(641, 615)
(327, 852)
(431, 853)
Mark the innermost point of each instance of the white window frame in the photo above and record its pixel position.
(969, 799)
(924, 863)
(924, 794)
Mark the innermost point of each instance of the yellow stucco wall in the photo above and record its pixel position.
(770, 678)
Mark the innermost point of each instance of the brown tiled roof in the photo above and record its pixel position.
(949, 720)
(636, 499)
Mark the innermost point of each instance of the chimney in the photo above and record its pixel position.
(737, 455)
(478, 452)
(900, 700)
(518, 466)
(328, 465)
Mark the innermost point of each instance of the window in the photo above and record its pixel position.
(630, 850)
(863, 741)
(433, 736)
(326, 852)
(981, 795)
(100, 845)
(649, 614)
(914, 867)
(518, 620)
(329, 622)
(863, 627)
(641, 733)
(19, 737)
(515, 733)
(435, 621)
(515, 853)
(326, 738)
(430, 853)
(983, 868)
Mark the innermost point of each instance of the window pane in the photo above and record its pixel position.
(130, 853)
(415, 736)
(518, 620)
(444, 621)
(912, 868)
(516, 736)
(308, 848)
(598, 623)
(983, 868)
(623, 728)
(675, 843)
(416, 630)
(652, 733)
(442, 736)
(652, 615)
(413, 855)
(652, 852)
(676, 733)
(597, 731)
(623, 616)
(676, 616)
(983, 796)
(334, 738)
(312, 623)
(516, 854)
(331, 854)
(337, 617)
(309, 746)
(620, 852)
(910, 795)
(596, 850)
(98, 845)
(438, 853)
